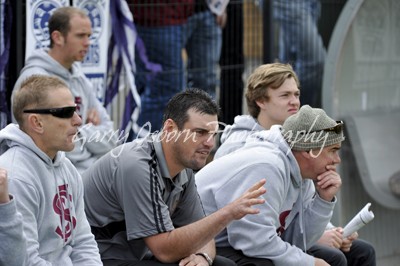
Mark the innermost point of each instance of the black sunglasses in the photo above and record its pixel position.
(62, 112)
(337, 129)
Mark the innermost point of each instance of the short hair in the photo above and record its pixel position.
(196, 99)
(33, 93)
(263, 77)
(59, 20)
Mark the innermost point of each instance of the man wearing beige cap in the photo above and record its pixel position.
(291, 157)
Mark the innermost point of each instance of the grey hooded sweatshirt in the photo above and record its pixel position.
(234, 136)
(49, 196)
(11, 235)
(293, 216)
(92, 141)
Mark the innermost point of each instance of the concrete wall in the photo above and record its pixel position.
(361, 78)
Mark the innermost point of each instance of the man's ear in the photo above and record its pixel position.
(306, 154)
(169, 125)
(300, 155)
(57, 37)
(35, 123)
(261, 104)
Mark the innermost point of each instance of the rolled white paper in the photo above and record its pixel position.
(362, 218)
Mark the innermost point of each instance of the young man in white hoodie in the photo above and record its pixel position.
(272, 95)
(47, 187)
(11, 234)
(70, 30)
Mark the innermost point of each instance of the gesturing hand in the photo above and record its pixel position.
(244, 204)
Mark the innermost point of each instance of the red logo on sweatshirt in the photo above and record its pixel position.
(62, 201)
(282, 218)
(78, 102)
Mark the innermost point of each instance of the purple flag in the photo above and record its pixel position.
(121, 63)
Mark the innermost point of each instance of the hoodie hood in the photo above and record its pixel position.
(245, 124)
(12, 136)
(234, 136)
(42, 58)
(274, 137)
(41, 63)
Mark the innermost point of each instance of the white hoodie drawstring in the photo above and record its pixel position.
(302, 225)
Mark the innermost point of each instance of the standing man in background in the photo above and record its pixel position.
(160, 24)
(203, 40)
(301, 45)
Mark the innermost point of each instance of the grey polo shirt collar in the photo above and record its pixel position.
(181, 178)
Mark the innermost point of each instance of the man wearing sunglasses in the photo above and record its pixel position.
(292, 158)
(70, 30)
(47, 188)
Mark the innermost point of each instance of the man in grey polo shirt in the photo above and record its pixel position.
(141, 199)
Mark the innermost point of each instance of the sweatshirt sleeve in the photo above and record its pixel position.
(11, 234)
(316, 215)
(84, 248)
(256, 235)
(101, 138)
(28, 204)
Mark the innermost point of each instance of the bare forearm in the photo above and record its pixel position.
(180, 243)
(189, 239)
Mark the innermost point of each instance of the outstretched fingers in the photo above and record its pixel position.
(258, 185)
(253, 194)
(244, 205)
